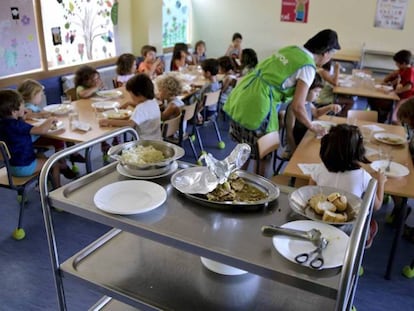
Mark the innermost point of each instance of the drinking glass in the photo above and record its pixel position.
(73, 119)
(65, 99)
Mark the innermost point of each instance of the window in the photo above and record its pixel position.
(78, 31)
(175, 22)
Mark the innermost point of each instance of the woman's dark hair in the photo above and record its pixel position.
(83, 75)
(317, 82)
(248, 58)
(198, 43)
(10, 101)
(124, 63)
(342, 149)
(141, 84)
(237, 35)
(402, 57)
(147, 48)
(324, 41)
(210, 65)
(226, 63)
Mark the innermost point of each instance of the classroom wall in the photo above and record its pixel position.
(259, 22)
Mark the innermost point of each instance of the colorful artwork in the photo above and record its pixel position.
(390, 14)
(294, 11)
(87, 30)
(19, 50)
(175, 19)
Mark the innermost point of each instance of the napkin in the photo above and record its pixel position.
(308, 168)
(374, 128)
(82, 126)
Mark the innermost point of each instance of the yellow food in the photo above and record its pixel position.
(334, 217)
(142, 155)
(391, 140)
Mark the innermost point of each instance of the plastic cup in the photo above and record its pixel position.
(73, 118)
(65, 99)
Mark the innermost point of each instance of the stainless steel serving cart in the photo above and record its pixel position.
(151, 261)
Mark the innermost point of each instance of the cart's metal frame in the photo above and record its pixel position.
(353, 256)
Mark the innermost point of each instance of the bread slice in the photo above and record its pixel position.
(322, 207)
(329, 216)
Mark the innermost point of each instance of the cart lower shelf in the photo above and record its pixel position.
(145, 274)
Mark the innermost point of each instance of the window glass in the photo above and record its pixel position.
(175, 22)
(77, 31)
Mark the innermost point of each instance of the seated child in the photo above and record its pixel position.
(248, 61)
(199, 54)
(17, 134)
(126, 65)
(235, 49)
(210, 70)
(179, 57)
(294, 130)
(87, 82)
(32, 92)
(229, 78)
(151, 65)
(342, 152)
(146, 117)
(169, 87)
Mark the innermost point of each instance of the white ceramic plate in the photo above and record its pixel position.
(396, 169)
(59, 125)
(58, 109)
(383, 87)
(333, 254)
(130, 197)
(121, 170)
(389, 139)
(109, 94)
(221, 268)
(120, 114)
(105, 105)
(325, 124)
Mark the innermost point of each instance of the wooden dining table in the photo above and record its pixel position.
(307, 152)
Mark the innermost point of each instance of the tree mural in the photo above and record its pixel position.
(95, 19)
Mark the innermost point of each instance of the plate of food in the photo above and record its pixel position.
(242, 191)
(58, 109)
(109, 94)
(324, 124)
(396, 169)
(325, 204)
(105, 105)
(118, 114)
(390, 139)
(384, 87)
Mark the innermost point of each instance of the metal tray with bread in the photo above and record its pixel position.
(326, 204)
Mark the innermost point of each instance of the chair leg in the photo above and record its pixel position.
(193, 148)
(279, 166)
(19, 233)
(221, 143)
(200, 142)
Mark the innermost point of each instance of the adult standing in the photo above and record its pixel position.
(252, 105)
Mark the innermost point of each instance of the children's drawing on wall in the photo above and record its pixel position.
(294, 11)
(390, 14)
(19, 51)
(56, 35)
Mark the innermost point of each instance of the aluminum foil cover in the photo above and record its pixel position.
(203, 180)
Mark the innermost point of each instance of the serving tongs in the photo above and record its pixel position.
(313, 235)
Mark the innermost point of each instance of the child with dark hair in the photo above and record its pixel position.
(210, 70)
(226, 68)
(151, 65)
(235, 49)
(125, 68)
(294, 130)
(18, 136)
(179, 57)
(248, 61)
(146, 117)
(342, 152)
(199, 54)
(87, 82)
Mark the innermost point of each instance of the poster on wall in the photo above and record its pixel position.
(294, 11)
(390, 14)
(19, 47)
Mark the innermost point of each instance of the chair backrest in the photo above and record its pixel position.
(211, 98)
(172, 126)
(4, 152)
(72, 93)
(188, 111)
(365, 115)
(267, 144)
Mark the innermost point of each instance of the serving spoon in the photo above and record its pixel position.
(313, 235)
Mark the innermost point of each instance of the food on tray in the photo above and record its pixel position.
(391, 140)
(334, 217)
(340, 201)
(332, 207)
(236, 189)
(109, 93)
(118, 114)
(142, 155)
